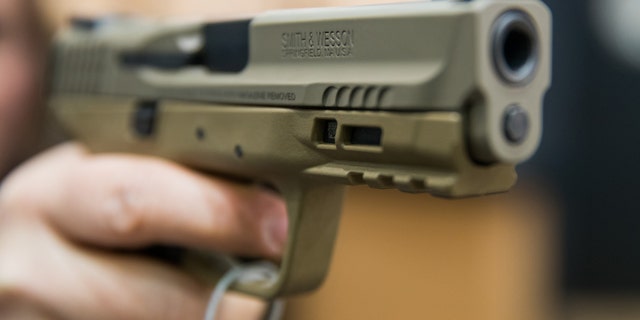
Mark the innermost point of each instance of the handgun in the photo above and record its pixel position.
(442, 97)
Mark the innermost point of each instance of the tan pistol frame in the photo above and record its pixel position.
(422, 97)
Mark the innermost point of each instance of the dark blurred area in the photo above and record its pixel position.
(588, 156)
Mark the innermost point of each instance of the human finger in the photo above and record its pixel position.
(44, 274)
(133, 201)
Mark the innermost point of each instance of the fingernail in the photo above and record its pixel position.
(276, 231)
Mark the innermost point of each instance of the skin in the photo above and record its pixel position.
(66, 216)
(19, 83)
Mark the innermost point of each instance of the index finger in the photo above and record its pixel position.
(133, 201)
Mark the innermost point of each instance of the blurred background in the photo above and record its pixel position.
(588, 155)
(562, 245)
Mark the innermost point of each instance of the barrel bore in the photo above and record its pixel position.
(515, 47)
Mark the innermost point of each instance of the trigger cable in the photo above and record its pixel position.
(257, 272)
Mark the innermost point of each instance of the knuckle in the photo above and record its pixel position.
(124, 210)
(109, 192)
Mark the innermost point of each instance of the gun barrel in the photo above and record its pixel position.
(515, 47)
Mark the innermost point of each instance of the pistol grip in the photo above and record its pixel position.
(314, 209)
